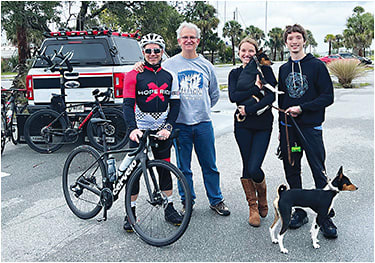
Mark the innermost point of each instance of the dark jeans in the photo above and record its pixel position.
(201, 136)
(162, 152)
(253, 146)
(316, 158)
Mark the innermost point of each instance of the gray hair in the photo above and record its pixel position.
(190, 26)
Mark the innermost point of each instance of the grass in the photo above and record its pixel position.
(346, 70)
(223, 86)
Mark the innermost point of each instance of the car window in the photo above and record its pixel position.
(129, 50)
(85, 52)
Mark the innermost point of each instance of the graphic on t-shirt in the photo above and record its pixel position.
(157, 91)
(296, 84)
(190, 83)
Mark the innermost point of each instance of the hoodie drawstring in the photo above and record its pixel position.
(300, 70)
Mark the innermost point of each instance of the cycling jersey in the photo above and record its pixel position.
(151, 98)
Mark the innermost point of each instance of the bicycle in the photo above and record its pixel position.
(89, 187)
(9, 109)
(47, 130)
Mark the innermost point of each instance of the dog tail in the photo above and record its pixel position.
(281, 189)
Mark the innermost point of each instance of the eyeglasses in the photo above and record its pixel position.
(188, 37)
(149, 50)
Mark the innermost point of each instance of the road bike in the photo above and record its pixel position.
(9, 109)
(89, 185)
(47, 130)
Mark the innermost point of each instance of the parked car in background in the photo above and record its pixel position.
(330, 58)
(363, 60)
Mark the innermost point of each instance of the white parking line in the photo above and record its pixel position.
(4, 174)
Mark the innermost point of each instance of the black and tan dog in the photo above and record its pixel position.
(319, 200)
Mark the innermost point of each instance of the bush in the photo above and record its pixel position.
(346, 70)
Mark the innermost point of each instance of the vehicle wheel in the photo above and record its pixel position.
(41, 138)
(116, 131)
(149, 218)
(82, 181)
(3, 132)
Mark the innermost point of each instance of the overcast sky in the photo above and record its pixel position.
(320, 17)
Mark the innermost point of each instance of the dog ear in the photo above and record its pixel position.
(340, 172)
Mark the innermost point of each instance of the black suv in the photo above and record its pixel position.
(101, 59)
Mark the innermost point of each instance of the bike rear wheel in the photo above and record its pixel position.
(41, 135)
(149, 219)
(14, 131)
(3, 132)
(116, 131)
(79, 177)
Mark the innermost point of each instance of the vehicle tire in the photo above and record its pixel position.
(116, 131)
(3, 132)
(47, 142)
(84, 203)
(149, 219)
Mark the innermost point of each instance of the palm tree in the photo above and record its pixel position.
(255, 33)
(329, 38)
(310, 41)
(233, 30)
(276, 42)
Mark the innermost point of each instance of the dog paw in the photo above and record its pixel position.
(316, 245)
(284, 251)
(275, 241)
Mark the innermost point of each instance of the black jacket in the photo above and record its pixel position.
(306, 83)
(241, 88)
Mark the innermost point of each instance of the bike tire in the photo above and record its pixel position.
(83, 203)
(149, 222)
(3, 132)
(44, 143)
(14, 133)
(116, 131)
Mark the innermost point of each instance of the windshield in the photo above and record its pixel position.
(85, 52)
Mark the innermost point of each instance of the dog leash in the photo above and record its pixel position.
(290, 160)
(307, 145)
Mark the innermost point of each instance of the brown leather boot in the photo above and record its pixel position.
(262, 197)
(251, 197)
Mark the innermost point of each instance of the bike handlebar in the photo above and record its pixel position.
(55, 66)
(143, 140)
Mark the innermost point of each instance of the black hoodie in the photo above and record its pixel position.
(307, 84)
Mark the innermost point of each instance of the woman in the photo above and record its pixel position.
(252, 125)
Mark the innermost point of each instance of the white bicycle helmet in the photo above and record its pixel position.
(152, 38)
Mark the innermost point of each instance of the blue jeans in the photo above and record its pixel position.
(202, 136)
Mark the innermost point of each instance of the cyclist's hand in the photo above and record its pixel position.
(139, 66)
(164, 134)
(135, 135)
(241, 109)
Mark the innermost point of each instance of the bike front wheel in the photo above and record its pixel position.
(150, 220)
(14, 127)
(44, 131)
(82, 181)
(115, 131)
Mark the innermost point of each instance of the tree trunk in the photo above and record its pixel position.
(80, 25)
(22, 44)
(212, 56)
(233, 54)
(203, 40)
(329, 48)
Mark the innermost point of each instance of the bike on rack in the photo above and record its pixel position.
(91, 183)
(47, 130)
(9, 109)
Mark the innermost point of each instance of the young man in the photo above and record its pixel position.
(151, 101)
(308, 91)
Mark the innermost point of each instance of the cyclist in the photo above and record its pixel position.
(152, 101)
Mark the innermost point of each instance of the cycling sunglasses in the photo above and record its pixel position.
(149, 50)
